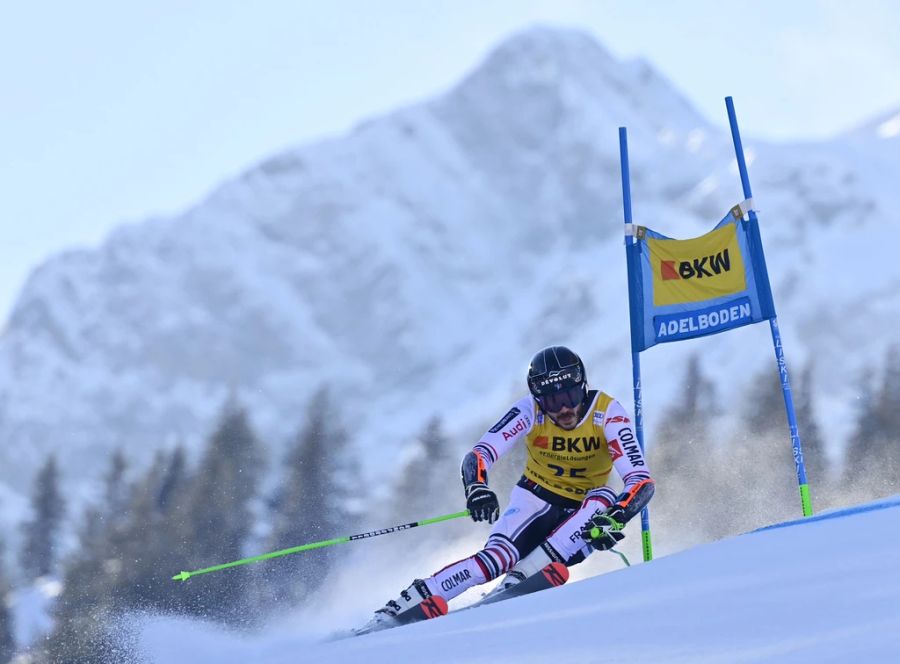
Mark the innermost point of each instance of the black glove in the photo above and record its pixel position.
(482, 502)
(603, 531)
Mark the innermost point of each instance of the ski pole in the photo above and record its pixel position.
(184, 576)
(622, 556)
(614, 527)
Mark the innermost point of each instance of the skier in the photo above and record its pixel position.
(574, 437)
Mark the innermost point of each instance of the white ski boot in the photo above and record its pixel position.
(533, 563)
(386, 616)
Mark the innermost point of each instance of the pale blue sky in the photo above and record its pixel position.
(115, 111)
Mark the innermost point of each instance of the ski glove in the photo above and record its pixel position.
(482, 502)
(603, 531)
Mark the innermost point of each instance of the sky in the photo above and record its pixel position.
(115, 112)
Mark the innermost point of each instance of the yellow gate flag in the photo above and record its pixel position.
(697, 270)
(680, 289)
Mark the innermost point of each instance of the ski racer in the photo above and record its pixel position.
(574, 437)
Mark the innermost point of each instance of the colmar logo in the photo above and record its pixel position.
(631, 446)
(696, 267)
(453, 581)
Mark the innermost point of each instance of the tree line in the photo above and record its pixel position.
(177, 515)
(181, 515)
(715, 481)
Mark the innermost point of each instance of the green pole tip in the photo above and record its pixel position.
(184, 576)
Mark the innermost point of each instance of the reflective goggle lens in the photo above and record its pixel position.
(568, 398)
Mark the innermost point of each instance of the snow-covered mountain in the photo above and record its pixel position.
(417, 263)
(784, 594)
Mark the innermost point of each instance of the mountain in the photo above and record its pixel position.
(783, 594)
(418, 262)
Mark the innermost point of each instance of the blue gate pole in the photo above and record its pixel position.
(635, 355)
(805, 501)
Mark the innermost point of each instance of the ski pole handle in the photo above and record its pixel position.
(595, 533)
(184, 576)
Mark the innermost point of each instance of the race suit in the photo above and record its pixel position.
(565, 482)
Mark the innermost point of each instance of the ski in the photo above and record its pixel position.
(551, 576)
(433, 607)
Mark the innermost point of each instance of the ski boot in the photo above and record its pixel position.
(533, 563)
(387, 616)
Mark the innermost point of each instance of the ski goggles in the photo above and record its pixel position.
(571, 397)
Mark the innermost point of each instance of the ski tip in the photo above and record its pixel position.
(184, 576)
(556, 573)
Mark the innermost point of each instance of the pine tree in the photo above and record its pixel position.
(759, 463)
(874, 449)
(682, 457)
(158, 526)
(860, 454)
(763, 412)
(115, 482)
(174, 482)
(168, 521)
(218, 518)
(92, 581)
(165, 523)
(312, 502)
(7, 642)
(887, 415)
(682, 441)
(141, 545)
(429, 482)
(872, 457)
(40, 533)
(814, 455)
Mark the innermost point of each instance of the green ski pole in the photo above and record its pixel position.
(184, 576)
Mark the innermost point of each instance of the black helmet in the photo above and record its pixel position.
(556, 378)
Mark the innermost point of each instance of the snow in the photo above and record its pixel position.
(890, 128)
(32, 606)
(823, 589)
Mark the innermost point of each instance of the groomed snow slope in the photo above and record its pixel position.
(822, 590)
